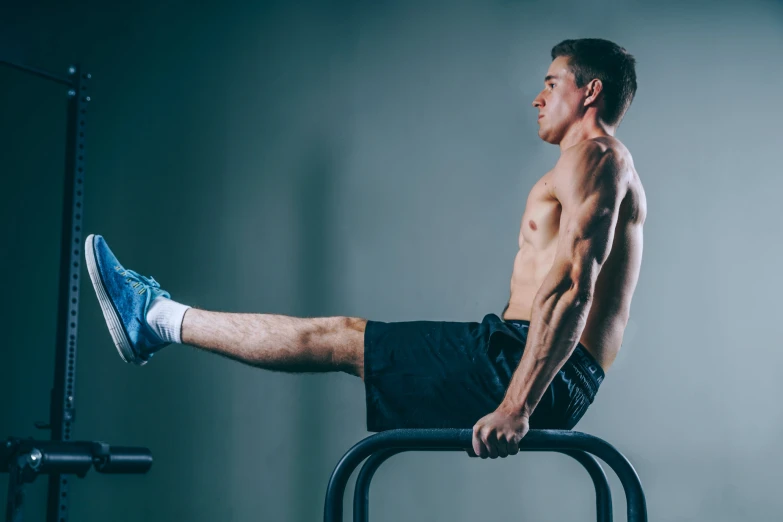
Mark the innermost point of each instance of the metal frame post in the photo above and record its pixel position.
(63, 403)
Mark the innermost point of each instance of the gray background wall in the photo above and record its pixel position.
(373, 159)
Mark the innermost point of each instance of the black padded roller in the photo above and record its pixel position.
(119, 459)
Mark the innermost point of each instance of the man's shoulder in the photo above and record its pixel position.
(604, 158)
(603, 148)
(607, 163)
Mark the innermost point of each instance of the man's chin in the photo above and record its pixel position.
(545, 137)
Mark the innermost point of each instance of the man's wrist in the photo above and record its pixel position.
(520, 409)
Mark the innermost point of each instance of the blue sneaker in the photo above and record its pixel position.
(125, 297)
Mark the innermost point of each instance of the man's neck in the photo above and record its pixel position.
(582, 131)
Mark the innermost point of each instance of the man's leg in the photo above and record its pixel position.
(142, 320)
(278, 342)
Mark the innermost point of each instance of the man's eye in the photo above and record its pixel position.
(552, 85)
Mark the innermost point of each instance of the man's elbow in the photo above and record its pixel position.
(582, 294)
(575, 291)
(583, 277)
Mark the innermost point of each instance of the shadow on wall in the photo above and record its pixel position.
(314, 194)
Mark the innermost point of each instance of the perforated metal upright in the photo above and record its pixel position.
(63, 400)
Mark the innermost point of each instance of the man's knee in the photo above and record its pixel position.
(338, 342)
(351, 353)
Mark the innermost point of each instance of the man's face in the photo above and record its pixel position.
(560, 103)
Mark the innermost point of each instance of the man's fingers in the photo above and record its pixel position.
(502, 447)
(490, 440)
(478, 445)
(512, 444)
(493, 441)
(513, 448)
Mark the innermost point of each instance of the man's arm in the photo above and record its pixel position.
(590, 184)
(590, 188)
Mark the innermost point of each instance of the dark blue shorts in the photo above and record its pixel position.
(431, 374)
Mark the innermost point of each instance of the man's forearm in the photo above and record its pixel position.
(555, 328)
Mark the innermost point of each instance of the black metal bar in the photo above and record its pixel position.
(460, 440)
(361, 494)
(603, 493)
(38, 72)
(14, 508)
(75, 457)
(62, 406)
(361, 497)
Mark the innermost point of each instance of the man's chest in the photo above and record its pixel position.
(541, 217)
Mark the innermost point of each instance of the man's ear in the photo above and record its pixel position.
(594, 88)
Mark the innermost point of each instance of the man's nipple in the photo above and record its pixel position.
(532, 225)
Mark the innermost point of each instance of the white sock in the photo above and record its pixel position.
(165, 318)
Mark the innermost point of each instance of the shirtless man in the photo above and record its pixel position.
(539, 366)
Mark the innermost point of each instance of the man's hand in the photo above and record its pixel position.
(498, 434)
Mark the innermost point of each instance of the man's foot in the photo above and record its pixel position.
(125, 297)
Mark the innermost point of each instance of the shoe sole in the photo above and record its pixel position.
(121, 341)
